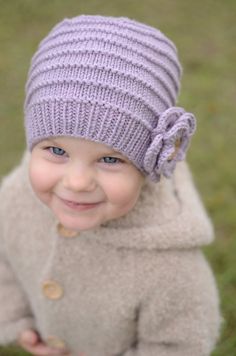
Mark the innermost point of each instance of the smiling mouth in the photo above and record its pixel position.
(79, 206)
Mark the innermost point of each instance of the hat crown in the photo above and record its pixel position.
(79, 49)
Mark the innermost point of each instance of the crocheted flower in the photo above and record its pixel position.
(170, 140)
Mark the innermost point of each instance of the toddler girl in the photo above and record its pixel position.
(99, 251)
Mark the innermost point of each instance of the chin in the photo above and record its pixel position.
(74, 224)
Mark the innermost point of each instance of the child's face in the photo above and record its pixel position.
(84, 183)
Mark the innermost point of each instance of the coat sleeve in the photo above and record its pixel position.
(15, 313)
(183, 319)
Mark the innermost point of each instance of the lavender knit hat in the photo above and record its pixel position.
(113, 81)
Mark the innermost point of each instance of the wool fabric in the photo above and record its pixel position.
(114, 81)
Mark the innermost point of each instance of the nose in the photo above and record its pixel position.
(79, 178)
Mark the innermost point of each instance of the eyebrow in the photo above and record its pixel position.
(52, 141)
(113, 152)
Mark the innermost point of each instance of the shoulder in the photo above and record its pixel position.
(183, 275)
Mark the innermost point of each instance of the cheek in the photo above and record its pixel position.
(124, 192)
(40, 181)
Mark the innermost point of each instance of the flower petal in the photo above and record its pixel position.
(174, 126)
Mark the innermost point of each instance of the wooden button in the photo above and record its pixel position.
(177, 146)
(52, 289)
(62, 231)
(55, 342)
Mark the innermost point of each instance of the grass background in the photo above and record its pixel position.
(204, 32)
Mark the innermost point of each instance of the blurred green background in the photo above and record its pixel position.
(205, 33)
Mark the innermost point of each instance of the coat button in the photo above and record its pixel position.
(62, 231)
(52, 289)
(55, 342)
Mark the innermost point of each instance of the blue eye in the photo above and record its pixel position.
(111, 160)
(57, 151)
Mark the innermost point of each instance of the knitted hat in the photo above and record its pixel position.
(113, 81)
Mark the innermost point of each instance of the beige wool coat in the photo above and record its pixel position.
(136, 286)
